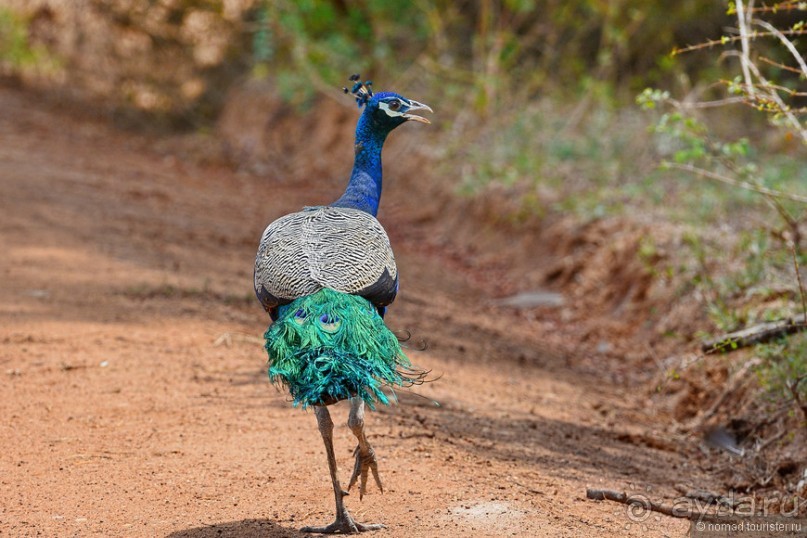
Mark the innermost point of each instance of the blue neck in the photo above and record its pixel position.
(364, 188)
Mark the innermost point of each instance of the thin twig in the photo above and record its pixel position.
(771, 86)
(792, 223)
(772, 439)
(737, 183)
(782, 106)
(710, 104)
(792, 245)
(779, 65)
(733, 39)
(788, 5)
(786, 42)
(731, 386)
(794, 392)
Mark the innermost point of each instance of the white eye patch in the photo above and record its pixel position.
(392, 113)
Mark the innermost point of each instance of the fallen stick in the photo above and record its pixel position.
(642, 503)
(756, 334)
(772, 439)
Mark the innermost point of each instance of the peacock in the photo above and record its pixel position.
(325, 275)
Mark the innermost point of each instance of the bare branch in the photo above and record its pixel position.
(789, 5)
(745, 58)
(783, 107)
(725, 40)
(793, 245)
(785, 41)
(737, 183)
(780, 65)
(713, 104)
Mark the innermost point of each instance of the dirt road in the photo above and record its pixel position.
(134, 398)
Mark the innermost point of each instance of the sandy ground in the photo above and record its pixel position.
(134, 398)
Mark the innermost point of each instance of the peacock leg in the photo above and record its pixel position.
(365, 455)
(344, 524)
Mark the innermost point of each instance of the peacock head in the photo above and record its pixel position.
(387, 110)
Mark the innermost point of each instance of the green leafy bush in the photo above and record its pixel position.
(16, 52)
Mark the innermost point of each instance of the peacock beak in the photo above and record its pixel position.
(414, 105)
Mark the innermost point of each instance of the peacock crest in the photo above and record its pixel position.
(362, 90)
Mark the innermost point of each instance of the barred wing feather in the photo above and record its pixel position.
(342, 249)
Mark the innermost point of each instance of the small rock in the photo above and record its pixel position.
(531, 299)
(38, 294)
(604, 347)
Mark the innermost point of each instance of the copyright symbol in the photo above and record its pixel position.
(700, 526)
(638, 508)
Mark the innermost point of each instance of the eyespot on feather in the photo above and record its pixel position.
(329, 323)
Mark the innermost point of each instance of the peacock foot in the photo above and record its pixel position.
(344, 524)
(365, 462)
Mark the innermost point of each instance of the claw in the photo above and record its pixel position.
(344, 524)
(374, 468)
(364, 463)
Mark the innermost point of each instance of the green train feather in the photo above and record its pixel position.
(329, 346)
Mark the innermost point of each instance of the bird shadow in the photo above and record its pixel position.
(246, 528)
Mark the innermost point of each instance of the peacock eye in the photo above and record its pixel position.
(394, 104)
(300, 316)
(329, 323)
